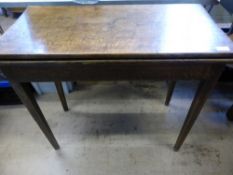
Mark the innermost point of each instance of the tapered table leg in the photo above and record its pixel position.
(28, 99)
(171, 87)
(230, 113)
(199, 100)
(4, 10)
(1, 30)
(61, 95)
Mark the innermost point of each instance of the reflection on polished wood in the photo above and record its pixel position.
(154, 31)
(130, 42)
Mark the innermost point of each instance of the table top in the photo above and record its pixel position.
(115, 32)
(25, 3)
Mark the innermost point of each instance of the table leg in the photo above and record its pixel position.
(61, 95)
(28, 99)
(1, 30)
(199, 100)
(171, 87)
(230, 113)
(4, 11)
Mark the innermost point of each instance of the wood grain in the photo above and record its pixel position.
(115, 32)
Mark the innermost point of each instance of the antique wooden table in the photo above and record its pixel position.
(128, 42)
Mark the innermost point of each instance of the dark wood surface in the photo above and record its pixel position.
(61, 95)
(115, 32)
(171, 86)
(24, 93)
(1, 30)
(230, 113)
(199, 100)
(130, 42)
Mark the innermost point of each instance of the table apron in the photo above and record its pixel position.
(105, 71)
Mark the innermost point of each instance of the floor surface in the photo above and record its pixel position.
(119, 128)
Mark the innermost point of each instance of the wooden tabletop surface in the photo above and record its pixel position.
(115, 32)
(26, 3)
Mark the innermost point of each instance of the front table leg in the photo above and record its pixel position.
(199, 100)
(28, 99)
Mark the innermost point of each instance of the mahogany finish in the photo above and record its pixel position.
(82, 32)
(128, 42)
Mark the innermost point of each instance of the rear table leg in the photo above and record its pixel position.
(61, 95)
(230, 113)
(171, 87)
